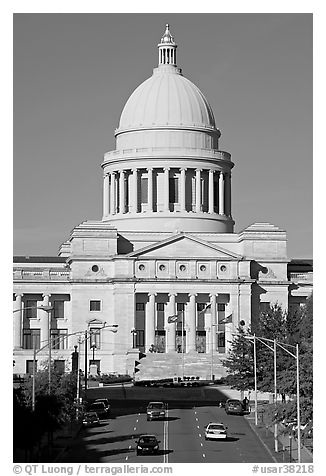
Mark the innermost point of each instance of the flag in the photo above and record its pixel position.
(175, 318)
(205, 309)
(226, 320)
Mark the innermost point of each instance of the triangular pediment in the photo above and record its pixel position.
(184, 246)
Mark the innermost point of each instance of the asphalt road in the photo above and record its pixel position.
(181, 435)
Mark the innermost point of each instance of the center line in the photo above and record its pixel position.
(199, 435)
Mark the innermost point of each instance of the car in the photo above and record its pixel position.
(99, 408)
(106, 403)
(156, 411)
(233, 407)
(147, 444)
(215, 431)
(91, 419)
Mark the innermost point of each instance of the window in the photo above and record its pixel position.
(162, 267)
(29, 366)
(94, 305)
(30, 309)
(182, 267)
(140, 306)
(59, 339)
(95, 268)
(144, 190)
(59, 366)
(31, 338)
(173, 190)
(95, 337)
(58, 310)
(221, 307)
(264, 306)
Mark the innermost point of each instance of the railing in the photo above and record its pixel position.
(301, 277)
(170, 151)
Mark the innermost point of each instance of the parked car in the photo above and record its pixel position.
(156, 411)
(216, 431)
(106, 403)
(147, 444)
(99, 408)
(233, 407)
(90, 419)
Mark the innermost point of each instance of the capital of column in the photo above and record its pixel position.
(152, 294)
(17, 295)
(46, 295)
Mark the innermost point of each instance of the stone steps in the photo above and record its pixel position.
(159, 366)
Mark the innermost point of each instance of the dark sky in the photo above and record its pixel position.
(73, 74)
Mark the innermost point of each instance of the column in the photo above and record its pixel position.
(106, 196)
(45, 325)
(112, 193)
(228, 327)
(211, 191)
(191, 324)
(18, 321)
(170, 327)
(198, 194)
(150, 322)
(183, 190)
(213, 321)
(209, 330)
(134, 190)
(150, 189)
(166, 190)
(221, 194)
(122, 191)
(228, 194)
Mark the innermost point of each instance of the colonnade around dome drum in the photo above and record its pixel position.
(168, 189)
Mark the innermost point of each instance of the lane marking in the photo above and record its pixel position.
(201, 444)
(204, 456)
(199, 435)
(197, 426)
(134, 428)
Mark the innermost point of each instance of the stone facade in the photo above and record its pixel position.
(165, 247)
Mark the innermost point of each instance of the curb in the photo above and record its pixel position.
(261, 440)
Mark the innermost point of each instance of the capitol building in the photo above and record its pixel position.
(163, 264)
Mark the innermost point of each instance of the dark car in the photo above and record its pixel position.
(155, 411)
(147, 444)
(106, 404)
(99, 408)
(90, 419)
(233, 407)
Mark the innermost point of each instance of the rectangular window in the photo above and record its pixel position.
(95, 338)
(180, 312)
(221, 307)
(160, 306)
(264, 306)
(30, 309)
(94, 305)
(29, 366)
(140, 306)
(31, 338)
(59, 366)
(200, 316)
(173, 190)
(144, 189)
(58, 310)
(59, 339)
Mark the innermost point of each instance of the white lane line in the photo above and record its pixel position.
(134, 428)
(201, 444)
(204, 456)
(199, 435)
(197, 426)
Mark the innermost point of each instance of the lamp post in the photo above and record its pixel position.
(47, 309)
(111, 327)
(264, 341)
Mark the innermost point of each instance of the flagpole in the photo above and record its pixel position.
(183, 354)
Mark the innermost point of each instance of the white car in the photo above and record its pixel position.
(216, 431)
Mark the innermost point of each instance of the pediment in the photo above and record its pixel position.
(182, 246)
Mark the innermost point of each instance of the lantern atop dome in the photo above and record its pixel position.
(167, 48)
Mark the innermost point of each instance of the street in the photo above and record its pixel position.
(181, 437)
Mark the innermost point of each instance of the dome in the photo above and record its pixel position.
(167, 99)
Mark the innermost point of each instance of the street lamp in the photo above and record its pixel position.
(111, 327)
(273, 349)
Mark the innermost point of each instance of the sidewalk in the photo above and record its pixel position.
(288, 447)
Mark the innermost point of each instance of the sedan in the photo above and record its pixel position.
(216, 431)
(91, 419)
(147, 444)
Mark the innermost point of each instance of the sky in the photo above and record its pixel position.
(73, 74)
